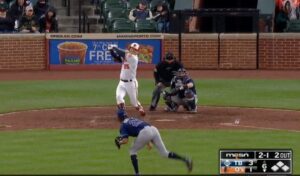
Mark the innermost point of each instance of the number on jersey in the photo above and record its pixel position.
(126, 66)
(134, 122)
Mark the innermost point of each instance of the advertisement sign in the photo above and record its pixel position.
(82, 51)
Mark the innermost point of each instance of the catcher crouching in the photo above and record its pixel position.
(182, 93)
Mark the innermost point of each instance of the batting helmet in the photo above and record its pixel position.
(121, 113)
(135, 46)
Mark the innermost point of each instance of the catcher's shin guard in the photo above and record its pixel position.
(191, 105)
(171, 106)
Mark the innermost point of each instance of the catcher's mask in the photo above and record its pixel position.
(121, 114)
(169, 56)
(181, 72)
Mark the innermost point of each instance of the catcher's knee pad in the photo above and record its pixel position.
(189, 95)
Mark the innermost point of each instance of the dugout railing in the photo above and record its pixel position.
(179, 18)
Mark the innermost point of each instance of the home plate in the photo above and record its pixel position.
(165, 120)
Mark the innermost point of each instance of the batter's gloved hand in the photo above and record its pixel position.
(118, 139)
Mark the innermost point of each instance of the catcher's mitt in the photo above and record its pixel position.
(117, 141)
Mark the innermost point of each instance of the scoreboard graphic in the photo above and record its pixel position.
(256, 162)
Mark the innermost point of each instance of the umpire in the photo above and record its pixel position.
(163, 74)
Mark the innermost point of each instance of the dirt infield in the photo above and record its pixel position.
(104, 117)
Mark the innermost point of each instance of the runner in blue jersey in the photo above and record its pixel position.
(145, 134)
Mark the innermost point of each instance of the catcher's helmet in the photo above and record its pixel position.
(121, 114)
(181, 72)
(135, 46)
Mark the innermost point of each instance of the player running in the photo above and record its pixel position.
(128, 82)
(145, 134)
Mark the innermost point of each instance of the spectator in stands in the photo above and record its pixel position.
(40, 8)
(282, 18)
(28, 22)
(16, 11)
(161, 15)
(141, 12)
(6, 23)
(48, 22)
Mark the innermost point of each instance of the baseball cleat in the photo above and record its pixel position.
(142, 112)
(189, 164)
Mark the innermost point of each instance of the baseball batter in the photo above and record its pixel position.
(128, 82)
(145, 134)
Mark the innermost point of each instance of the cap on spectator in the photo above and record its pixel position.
(144, 2)
(3, 6)
(29, 8)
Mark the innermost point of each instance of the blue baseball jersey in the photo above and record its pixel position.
(132, 127)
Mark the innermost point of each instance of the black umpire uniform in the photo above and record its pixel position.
(163, 74)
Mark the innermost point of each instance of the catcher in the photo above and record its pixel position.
(145, 134)
(183, 92)
(163, 74)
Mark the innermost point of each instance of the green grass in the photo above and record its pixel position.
(93, 151)
(22, 95)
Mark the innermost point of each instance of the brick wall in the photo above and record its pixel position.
(22, 52)
(279, 51)
(238, 51)
(200, 51)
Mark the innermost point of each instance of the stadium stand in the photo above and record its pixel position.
(69, 24)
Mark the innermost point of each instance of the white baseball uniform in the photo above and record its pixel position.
(128, 83)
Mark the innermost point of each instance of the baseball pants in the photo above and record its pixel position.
(149, 133)
(131, 88)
